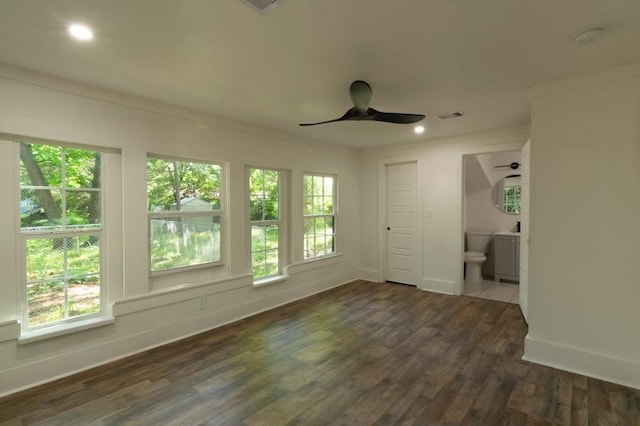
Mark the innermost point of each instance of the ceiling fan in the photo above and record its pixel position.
(361, 94)
(513, 165)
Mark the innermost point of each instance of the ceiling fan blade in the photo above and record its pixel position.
(513, 165)
(394, 117)
(347, 116)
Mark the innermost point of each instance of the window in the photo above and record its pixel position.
(61, 230)
(319, 215)
(184, 202)
(511, 194)
(265, 215)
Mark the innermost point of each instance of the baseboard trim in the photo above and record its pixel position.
(523, 301)
(600, 366)
(438, 286)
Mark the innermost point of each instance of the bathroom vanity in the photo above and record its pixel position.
(506, 246)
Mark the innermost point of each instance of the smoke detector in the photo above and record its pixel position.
(262, 6)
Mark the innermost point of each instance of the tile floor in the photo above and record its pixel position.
(503, 292)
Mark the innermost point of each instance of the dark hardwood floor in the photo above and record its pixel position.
(363, 353)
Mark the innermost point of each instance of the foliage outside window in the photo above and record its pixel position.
(61, 227)
(511, 200)
(264, 216)
(184, 201)
(319, 215)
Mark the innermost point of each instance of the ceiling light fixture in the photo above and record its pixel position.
(80, 32)
(418, 130)
(590, 35)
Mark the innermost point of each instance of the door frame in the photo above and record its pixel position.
(382, 217)
(463, 209)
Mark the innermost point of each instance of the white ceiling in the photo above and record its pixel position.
(295, 64)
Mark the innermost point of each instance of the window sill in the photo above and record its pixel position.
(315, 263)
(270, 280)
(62, 329)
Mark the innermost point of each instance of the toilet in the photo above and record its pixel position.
(475, 256)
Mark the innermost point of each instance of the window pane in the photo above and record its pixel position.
(82, 168)
(184, 241)
(328, 186)
(317, 186)
(264, 194)
(327, 204)
(40, 165)
(319, 236)
(258, 238)
(83, 208)
(45, 259)
(183, 186)
(60, 191)
(53, 258)
(45, 302)
(41, 208)
(256, 208)
(83, 255)
(264, 250)
(319, 201)
(84, 295)
(48, 175)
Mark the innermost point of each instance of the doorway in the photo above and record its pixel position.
(495, 225)
(401, 223)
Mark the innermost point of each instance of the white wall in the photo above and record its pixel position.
(441, 189)
(584, 287)
(151, 313)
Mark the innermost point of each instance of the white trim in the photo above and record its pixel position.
(178, 294)
(274, 279)
(44, 81)
(71, 323)
(314, 263)
(166, 214)
(64, 328)
(601, 366)
(620, 73)
(333, 214)
(9, 330)
(438, 286)
(283, 224)
(382, 213)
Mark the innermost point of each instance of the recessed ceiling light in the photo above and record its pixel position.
(80, 32)
(590, 35)
(418, 129)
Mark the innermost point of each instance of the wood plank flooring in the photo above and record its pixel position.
(360, 354)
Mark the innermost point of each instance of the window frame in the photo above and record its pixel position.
(98, 230)
(333, 214)
(219, 213)
(281, 222)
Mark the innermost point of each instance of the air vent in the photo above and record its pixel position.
(450, 115)
(262, 6)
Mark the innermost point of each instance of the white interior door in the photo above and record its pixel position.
(524, 232)
(401, 241)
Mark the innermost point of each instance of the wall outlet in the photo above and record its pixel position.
(202, 303)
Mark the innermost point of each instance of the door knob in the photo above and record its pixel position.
(388, 228)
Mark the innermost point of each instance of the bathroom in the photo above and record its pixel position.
(492, 194)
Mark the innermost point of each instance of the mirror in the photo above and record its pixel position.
(506, 194)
